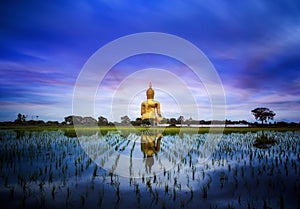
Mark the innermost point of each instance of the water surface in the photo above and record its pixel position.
(49, 169)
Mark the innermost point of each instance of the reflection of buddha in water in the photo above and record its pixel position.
(150, 145)
(150, 109)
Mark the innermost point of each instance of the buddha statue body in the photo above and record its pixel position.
(150, 109)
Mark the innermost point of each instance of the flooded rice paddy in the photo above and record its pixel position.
(49, 169)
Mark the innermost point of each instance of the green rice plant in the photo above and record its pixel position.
(5, 181)
(191, 191)
(163, 204)
(81, 168)
(204, 192)
(88, 163)
(209, 181)
(40, 171)
(136, 189)
(82, 198)
(24, 197)
(12, 193)
(100, 198)
(174, 194)
(86, 191)
(175, 181)
(43, 200)
(182, 204)
(166, 188)
(257, 181)
(242, 171)
(281, 201)
(56, 164)
(235, 171)
(230, 206)
(41, 185)
(156, 196)
(236, 182)
(68, 193)
(53, 192)
(118, 191)
(154, 178)
(138, 195)
(286, 169)
(95, 171)
(50, 177)
(148, 184)
(168, 175)
(211, 206)
(265, 205)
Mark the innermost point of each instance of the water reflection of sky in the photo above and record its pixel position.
(232, 175)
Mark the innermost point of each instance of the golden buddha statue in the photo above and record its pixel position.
(150, 109)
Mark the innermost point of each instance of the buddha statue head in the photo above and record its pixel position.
(150, 92)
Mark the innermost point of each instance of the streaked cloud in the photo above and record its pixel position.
(253, 45)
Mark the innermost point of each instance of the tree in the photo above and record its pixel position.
(263, 114)
(137, 122)
(102, 121)
(69, 120)
(180, 120)
(164, 121)
(173, 121)
(52, 122)
(125, 120)
(20, 118)
(189, 121)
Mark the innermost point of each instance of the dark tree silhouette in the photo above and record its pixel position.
(263, 114)
(164, 121)
(189, 121)
(102, 121)
(173, 121)
(180, 120)
(69, 120)
(20, 118)
(137, 122)
(125, 120)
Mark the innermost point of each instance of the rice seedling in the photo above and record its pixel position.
(56, 167)
(95, 171)
(212, 206)
(204, 192)
(53, 192)
(82, 198)
(174, 194)
(166, 188)
(12, 193)
(230, 206)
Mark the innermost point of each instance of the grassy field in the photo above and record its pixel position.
(165, 130)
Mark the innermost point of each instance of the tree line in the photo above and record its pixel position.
(262, 114)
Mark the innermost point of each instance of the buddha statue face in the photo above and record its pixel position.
(150, 92)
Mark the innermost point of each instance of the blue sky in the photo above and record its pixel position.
(254, 46)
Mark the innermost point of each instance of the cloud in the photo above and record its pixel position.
(253, 45)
